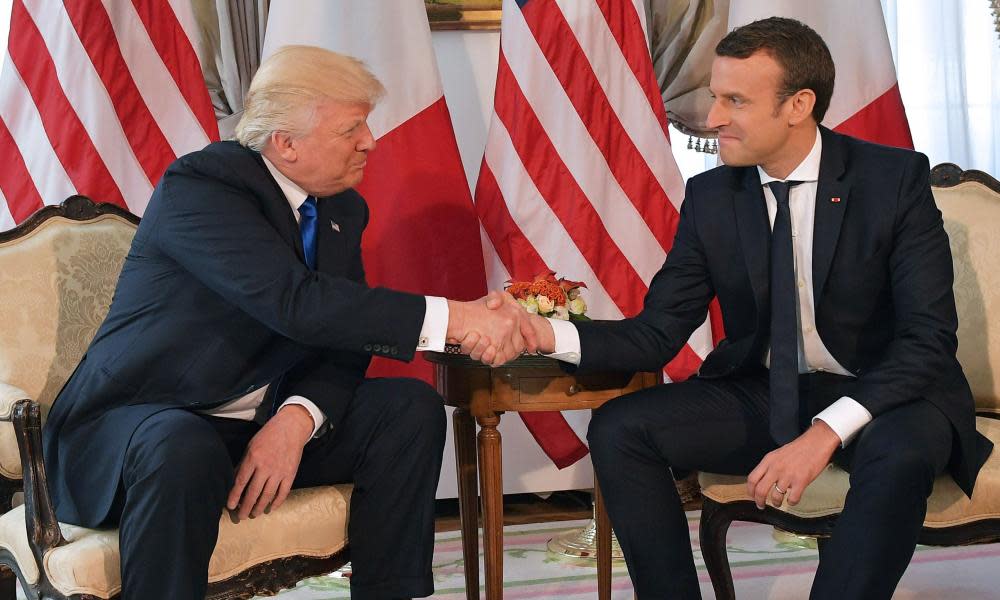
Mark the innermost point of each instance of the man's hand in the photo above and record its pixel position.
(493, 336)
(542, 332)
(533, 327)
(268, 468)
(791, 468)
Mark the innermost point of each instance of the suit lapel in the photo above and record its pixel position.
(332, 238)
(278, 211)
(832, 194)
(755, 232)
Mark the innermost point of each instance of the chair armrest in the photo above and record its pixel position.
(9, 396)
(39, 515)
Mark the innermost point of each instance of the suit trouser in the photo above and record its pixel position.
(721, 426)
(179, 469)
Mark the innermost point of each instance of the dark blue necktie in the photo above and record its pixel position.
(784, 369)
(307, 227)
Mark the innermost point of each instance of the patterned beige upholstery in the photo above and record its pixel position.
(972, 218)
(56, 284)
(311, 522)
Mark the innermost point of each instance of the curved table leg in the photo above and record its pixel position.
(491, 491)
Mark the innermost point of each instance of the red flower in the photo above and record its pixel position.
(568, 285)
(519, 289)
(544, 284)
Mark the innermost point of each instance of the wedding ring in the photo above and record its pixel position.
(778, 489)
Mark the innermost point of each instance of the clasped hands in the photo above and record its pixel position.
(496, 329)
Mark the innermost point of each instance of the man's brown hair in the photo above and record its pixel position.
(799, 51)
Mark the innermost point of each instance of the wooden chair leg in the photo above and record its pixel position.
(8, 584)
(714, 526)
(603, 545)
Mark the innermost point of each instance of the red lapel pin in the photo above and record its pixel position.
(835, 199)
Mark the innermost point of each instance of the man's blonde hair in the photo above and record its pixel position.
(290, 84)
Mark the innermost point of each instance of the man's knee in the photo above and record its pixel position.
(417, 405)
(610, 425)
(177, 449)
(894, 464)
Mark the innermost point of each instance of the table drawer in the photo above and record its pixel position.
(525, 390)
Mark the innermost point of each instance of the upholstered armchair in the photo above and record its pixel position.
(58, 271)
(970, 202)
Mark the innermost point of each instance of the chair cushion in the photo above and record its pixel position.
(312, 522)
(946, 507)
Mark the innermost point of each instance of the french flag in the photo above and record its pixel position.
(866, 103)
(423, 234)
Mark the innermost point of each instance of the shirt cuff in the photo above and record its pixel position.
(317, 415)
(567, 341)
(435, 328)
(845, 417)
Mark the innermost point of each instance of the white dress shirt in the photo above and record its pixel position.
(432, 334)
(845, 416)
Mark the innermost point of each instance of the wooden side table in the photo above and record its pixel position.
(530, 383)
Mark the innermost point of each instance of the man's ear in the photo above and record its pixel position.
(802, 103)
(283, 145)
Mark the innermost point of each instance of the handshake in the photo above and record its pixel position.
(496, 329)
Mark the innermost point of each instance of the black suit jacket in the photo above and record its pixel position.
(882, 279)
(214, 300)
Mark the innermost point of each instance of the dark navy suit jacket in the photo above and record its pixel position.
(882, 279)
(214, 300)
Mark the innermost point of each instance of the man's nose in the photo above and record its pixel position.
(367, 142)
(716, 116)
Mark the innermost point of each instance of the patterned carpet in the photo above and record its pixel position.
(763, 569)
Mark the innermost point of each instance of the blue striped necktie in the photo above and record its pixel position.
(307, 227)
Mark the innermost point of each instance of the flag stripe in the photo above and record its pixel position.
(157, 86)
(86, 93)
(883, 121)
(62, 126)
(539, 224)
(564, 196)
(178, 55)
(497, 274)
(623, 21)
(565, 56)
(15, 181)
(141, 132)
(87, 105)
(512, 247)
(640, 119)
(569, 135)
(684, 365)
(20, 115)
(6, 220)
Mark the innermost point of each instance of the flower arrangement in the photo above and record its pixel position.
(550, 297)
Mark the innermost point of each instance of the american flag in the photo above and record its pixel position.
(97, 98)
(578, 175)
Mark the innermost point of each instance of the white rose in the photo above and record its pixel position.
(577, 306)
(529, 304)
(561, 313)
(573, 294)
(545, 304)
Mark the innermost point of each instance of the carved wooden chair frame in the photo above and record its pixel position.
(267, 578)
(716, 517)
